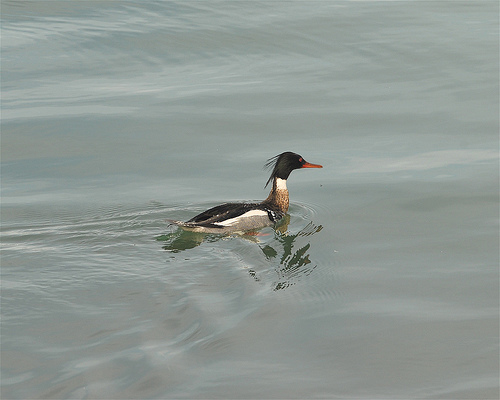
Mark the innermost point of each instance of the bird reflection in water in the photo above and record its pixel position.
(293, 259)
(181, 240)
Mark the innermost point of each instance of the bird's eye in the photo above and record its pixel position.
(301, 159)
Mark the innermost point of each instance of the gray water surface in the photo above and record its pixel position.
(383, 282)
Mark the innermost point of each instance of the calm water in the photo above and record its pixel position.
(382, 283)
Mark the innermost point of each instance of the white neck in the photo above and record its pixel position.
(280, 184)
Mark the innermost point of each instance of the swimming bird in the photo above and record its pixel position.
(234, 217)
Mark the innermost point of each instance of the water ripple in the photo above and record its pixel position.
(281, 258)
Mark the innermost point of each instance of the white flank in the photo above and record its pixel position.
(280, 184)
(248, 214)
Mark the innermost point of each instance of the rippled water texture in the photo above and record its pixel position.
(381, 282)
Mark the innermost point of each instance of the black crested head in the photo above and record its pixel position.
(283, 164)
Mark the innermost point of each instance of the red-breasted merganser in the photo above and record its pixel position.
(233, 217)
